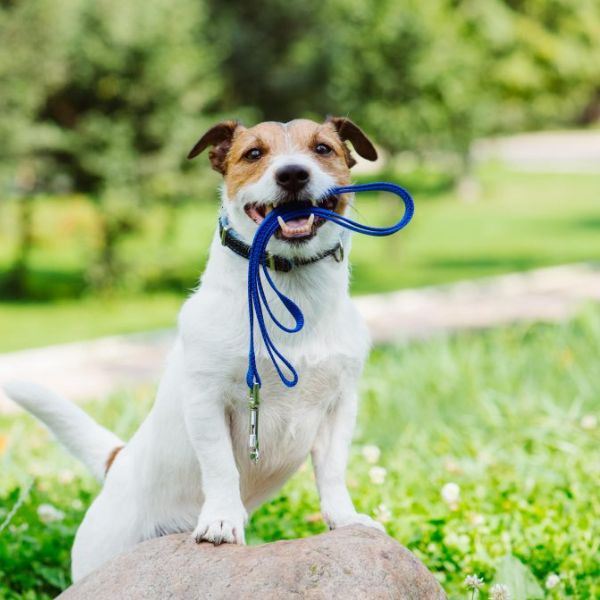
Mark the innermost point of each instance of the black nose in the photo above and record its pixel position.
(292, 177)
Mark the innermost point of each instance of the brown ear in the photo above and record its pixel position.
(348, 131)
(219, 137)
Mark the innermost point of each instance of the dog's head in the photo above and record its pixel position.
(293, 163)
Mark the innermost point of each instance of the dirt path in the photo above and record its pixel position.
(544, 151)
(96, 368)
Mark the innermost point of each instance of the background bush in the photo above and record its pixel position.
(105, 98)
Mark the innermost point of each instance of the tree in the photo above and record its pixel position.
(542, 58)
(273, 57)
(105, 98)
(399, 67)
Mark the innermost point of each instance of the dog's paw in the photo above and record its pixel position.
(220, 530)
(354, 519)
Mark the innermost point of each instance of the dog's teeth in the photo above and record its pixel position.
(311, 220)
(281, 223)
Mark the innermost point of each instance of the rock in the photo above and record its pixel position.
(351, 562)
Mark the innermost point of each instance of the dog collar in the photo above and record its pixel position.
(231, 240)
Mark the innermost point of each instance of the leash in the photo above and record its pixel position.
(257, 300)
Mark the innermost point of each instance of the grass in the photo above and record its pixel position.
(29, 324)
(508, 416)
(521, 221)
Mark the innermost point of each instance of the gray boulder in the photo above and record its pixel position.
(351, 562)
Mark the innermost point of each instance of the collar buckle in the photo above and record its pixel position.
(338, 253)
(224, 229)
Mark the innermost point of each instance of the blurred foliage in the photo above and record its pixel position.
(102, 96)
(541, 59)
(419, 76)
(105, 98)
(521, 222)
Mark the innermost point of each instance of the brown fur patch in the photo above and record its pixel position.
(111, 458)
(230, 142)
(347, 130)
(271, 138)
(219, 137)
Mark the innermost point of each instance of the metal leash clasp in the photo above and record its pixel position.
(253, 404)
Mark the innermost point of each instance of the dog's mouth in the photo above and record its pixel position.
(294, 230)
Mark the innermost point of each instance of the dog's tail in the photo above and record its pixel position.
(91, 443)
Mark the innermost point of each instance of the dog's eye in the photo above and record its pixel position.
(253, 154)
(322, 149)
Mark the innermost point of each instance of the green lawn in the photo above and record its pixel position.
(30, 324)
(520, 222)
(509, 416)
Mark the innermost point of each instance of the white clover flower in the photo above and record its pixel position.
(450, 493)
(49, 514)
(382, 513)
(371, 453)
(474, 582)
(377, 475)
(499, 592)
(552, 581)
(589, 422)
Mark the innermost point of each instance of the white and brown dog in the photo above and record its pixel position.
(187, 467)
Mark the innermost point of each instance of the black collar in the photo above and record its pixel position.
(275, 262)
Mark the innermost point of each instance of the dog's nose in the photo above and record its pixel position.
(292, 177)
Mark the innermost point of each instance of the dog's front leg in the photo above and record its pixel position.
(330, 457)
(223, 516)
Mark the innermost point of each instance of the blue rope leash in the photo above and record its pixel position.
(257, 300)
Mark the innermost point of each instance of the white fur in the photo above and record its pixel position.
(76, 430)
(187, 467)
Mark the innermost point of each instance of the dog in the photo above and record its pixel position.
(187, 467)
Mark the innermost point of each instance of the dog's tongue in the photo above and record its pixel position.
(293, 223)
(295, 227)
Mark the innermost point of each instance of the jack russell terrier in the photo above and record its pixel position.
(187, 467)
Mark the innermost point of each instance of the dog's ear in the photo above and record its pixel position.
(349, 131)
(219, 137)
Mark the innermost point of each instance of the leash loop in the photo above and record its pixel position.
(257, 299)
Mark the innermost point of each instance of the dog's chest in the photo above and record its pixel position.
(289, 419)
(289, 413)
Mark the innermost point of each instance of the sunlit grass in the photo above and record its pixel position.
(510, 416)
